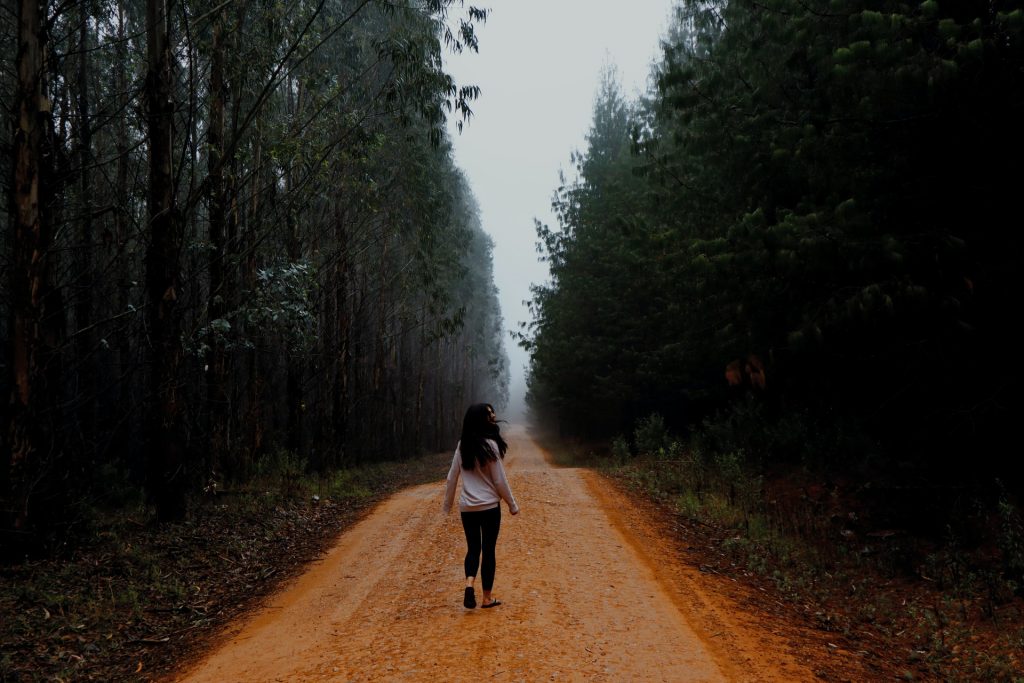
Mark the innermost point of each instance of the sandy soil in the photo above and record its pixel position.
(589, 590)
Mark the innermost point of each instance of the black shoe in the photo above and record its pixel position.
(469, 601)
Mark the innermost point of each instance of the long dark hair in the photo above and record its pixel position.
(475, 428)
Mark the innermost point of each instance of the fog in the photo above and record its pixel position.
(538, 68)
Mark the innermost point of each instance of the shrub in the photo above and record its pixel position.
(620, 450)
(1011, 541)
(651, 435)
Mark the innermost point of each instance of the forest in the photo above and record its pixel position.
(781, 307)
(800, 245)
(248, 293)
(234, 234)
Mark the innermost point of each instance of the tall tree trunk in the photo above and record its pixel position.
(30, 436)
(400, 389)
(85, 347)
(439, 415)
(421, 371)
(163, 276)
(358, 425)
(380, 403)
(217, 360)
(296, 366)
(121, 227)
(254, 414)
(343, 362)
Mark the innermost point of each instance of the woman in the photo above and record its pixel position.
(478, 458)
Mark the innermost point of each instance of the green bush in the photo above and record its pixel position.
(1011, 541)
(620, 450)
(651, 435)
(284, 470)
(814, 439)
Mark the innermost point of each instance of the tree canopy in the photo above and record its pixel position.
(813, 201)
(235, 230)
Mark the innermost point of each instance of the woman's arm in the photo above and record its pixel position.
(453, 481)
(502, 487)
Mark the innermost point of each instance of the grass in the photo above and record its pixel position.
(917, 607)
(133, 599)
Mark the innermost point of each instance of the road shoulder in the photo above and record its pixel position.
(748, 644)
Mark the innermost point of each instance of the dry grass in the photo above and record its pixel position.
(134, 600)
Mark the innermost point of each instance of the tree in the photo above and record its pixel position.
(31, 444)
(233, 231)
(821, 190)
(167, 469)
(589, 329)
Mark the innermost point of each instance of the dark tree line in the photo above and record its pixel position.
(233, 229)
(816, 202)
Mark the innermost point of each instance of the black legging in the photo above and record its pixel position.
(481, 535)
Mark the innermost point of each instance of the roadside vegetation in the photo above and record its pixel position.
(777, 305)
(241, 272)
(133, 600)
(920, 592)
(234, 230)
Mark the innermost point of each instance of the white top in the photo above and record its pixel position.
(483, 488)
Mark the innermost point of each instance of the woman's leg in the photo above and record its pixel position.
(490, 526)
(471, 525)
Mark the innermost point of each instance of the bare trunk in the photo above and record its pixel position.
(85, 346)
(254, 419)
(439, 415)
(296, 369)
(380, 392)
(121, 222)
(421, 381)
(30, 433)
(217, 361)
(343, 362)
(163, 276)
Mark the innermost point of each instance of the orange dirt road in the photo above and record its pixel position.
(589, 591)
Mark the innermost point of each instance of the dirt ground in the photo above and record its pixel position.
(590, 591)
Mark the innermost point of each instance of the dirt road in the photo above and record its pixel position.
(590, 593)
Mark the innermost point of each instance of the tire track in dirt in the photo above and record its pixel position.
(589, 591)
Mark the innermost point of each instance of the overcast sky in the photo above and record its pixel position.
(538, 68)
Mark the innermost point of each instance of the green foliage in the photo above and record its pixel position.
(334, 292)
(281, 305)
(348, 485)
(805, 436)
(117, 489)
(620, 450)
(651, 435)
(821, 189)
(584, 341)
(1011, 541)
(73, 617)
(282, 471)
(719, 501)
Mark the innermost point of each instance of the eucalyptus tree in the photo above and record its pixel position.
(163, 271)
(346, 72)
(31, 427)
(233, 229)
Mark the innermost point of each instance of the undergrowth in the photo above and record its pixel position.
(132, 599)
(841, 550)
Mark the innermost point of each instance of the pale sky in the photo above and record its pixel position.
(538, 69)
